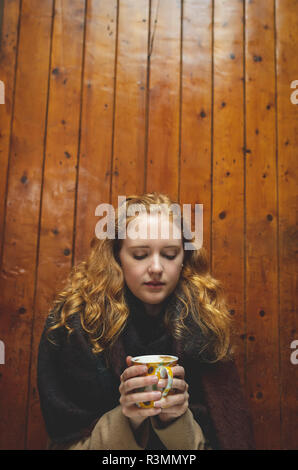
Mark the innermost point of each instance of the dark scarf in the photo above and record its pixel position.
(76, 387)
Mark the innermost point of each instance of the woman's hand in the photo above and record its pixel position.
(133, 378)
(174, 406)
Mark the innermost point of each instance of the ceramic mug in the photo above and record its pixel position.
(159, 365)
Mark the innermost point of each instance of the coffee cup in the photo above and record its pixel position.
(160, 365)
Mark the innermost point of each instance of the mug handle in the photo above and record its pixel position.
(160, 371)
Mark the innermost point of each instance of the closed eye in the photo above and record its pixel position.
(144, 256)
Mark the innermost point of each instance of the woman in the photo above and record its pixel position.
(109, 312)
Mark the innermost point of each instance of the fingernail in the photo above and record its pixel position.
(157, 404)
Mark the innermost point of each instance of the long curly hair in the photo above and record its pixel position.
(95, 291)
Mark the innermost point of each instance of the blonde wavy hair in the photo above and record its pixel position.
(95, 291)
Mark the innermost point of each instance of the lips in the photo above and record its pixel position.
(154, 283)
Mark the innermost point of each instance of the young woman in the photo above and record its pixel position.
(135, 296)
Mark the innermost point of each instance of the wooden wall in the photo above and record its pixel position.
(188, 97)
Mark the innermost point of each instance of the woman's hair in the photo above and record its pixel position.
(95, 291)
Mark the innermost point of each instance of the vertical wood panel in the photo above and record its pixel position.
(130, 111)
(128, 96)
(261, 205)
(287, 72)
(59, 183)
(8, 53)
(94, 177)
(22, 216)
(195, 163)
(228, 165)
(164, 97)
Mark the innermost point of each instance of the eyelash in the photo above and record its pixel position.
(143, 256)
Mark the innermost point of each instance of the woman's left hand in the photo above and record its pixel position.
(173, 406)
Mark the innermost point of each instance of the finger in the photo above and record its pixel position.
(128, 360)
(133, 371)
(136, 383)
(174, 411)
(172, 400)
(135, 411)
(133, 398)
(178, 385)
(178, 371)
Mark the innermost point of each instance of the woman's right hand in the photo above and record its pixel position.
(132, 378)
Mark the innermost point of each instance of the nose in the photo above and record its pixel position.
(155, 265)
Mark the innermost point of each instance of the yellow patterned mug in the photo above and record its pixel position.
(161, 366)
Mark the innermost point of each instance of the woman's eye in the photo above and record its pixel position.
(166, 256)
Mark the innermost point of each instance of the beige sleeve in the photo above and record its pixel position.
(114, 432)
(182, 434)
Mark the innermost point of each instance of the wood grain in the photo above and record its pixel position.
(95, 153)
(130, 109)
(190, 98)
(261, 225)
(287, 125)
(59, 181)
(164, 97)
(196, 103)
(228, 166)
(17, 283)
(8, 52)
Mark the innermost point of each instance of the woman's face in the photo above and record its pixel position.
(146, 260)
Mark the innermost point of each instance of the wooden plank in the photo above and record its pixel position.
(1, 19)
(130, 110)
(228, 166)
(195, 160)
(287, 72)
(94, 179)
(22, 216)
(164, 97)
(8, 51)
(261, 218)
(59, 183)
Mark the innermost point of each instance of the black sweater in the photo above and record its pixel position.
(77, 387)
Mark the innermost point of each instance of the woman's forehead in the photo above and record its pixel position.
(152, 229)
